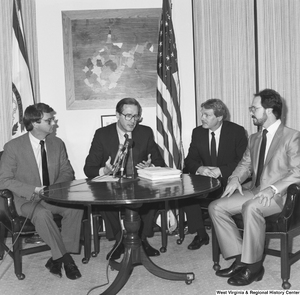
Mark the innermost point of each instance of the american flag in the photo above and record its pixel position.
(168, 116)
(22, 93)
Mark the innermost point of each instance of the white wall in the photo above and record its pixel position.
(77, 127)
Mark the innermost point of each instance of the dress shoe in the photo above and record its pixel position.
(150, 251)
(230, 271)
(116, 252)
(54, 267)
(72, 271)
(246, 277)
(198, 242)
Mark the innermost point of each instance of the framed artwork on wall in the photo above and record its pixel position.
(108, 119)
(109, 55)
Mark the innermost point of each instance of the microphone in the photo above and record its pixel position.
(127, 145)
(117, 161)
(118, 154)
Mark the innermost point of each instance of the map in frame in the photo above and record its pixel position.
(109, 55)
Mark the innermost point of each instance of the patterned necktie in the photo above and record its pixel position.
(45, 173)
(213, 150)
(129, 163)
(261, 159)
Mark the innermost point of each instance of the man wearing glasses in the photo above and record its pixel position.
(272, 159)
(100, 161)
(30, 163)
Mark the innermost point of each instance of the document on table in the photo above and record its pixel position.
(159, 173)
(105, 178)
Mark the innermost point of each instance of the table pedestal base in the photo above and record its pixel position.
(135, 255)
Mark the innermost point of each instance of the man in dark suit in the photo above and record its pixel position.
(21, 171)
(272, 158)
(216, 148)
(145, 152)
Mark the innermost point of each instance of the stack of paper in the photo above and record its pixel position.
(159, 173)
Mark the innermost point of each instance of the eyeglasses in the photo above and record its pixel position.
(253, 109)
(129, 117)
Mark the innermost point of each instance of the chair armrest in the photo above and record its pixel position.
(289, 217)
(7, 206)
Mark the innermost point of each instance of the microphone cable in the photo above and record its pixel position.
(107, 264)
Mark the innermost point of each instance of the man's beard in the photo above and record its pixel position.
(259, 122)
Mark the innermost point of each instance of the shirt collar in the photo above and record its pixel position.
(35, 141)
(121, 134)
(217, 131)
(273, 128)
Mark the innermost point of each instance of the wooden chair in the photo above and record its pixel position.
(19, 227)
(284, 226)
(163, 212)
(98, 232)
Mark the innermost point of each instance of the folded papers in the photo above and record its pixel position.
(159, 173)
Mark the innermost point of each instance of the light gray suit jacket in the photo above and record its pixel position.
(19, 171)
(282, 164)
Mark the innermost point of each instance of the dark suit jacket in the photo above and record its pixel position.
(19, 171)
(232, 145)
(106, 143)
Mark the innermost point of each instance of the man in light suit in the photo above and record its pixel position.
(21, 172)
(266, 194)
(145, 152)
(231, 142)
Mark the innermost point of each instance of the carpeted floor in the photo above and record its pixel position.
(177, 258)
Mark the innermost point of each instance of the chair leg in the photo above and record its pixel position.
(96, 238)
(164, 237)
(215, 249)
(2, 238)
(86, 226)
(285, 265)
(17, 246)
(180, 226)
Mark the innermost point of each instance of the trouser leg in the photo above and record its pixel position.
(194, 217)
(112, 223)
(221, 211)
(254, 215)
(70, 225)
(45, 226)
(147, 214)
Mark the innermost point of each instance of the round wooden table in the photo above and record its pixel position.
(131, 195)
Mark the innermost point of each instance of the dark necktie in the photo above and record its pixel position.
(213, 150)
(129, 163)
(46, 181)
(261, 159)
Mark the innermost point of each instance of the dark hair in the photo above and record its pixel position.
(271, 99)
(128, 100)
(34, 113)
(217, 106)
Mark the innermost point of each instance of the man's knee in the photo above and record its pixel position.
(251, 208)
(212, 208)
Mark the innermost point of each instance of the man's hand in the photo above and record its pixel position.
(108, 167)
(231, 187)
(38, 191)
(265, 196)
(209, 171)
(144, 164)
